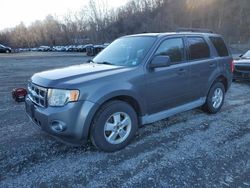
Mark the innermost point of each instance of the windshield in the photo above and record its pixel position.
(246, 55)
(127, 51)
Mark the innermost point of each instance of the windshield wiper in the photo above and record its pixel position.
(105, 63)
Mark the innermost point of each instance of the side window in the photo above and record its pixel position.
(198, 48)
(220, 46)
(174, 48)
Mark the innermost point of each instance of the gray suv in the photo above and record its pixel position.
(136, 80)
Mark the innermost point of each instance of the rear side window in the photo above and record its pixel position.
(174, 48)
(220, 46)
(198, 48)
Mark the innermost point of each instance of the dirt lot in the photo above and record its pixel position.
(191, 149)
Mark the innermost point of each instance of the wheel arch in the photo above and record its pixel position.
(131, 100)
(221, 78)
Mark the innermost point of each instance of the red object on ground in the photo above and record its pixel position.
(19, 94)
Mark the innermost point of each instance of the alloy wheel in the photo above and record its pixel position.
(117, 128)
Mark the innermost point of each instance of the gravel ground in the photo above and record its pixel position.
(191, 149)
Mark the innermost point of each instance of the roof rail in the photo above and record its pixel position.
(199, 30)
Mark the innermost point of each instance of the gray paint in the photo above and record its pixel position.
(160, 92)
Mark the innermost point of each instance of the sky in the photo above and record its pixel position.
(13, 12)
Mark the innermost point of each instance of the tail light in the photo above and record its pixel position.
(232, 66)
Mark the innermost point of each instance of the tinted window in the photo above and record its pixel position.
(174, 48)
(198, 48)
(219, 46)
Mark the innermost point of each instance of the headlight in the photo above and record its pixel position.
(60, 97)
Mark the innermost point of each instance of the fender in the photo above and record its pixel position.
(106, 93)
(110, 91)
(213, 77)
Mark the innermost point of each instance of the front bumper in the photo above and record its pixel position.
(74, 117)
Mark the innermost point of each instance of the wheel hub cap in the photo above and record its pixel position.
(117, 128)
(217, 98)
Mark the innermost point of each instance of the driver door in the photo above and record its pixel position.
(167, 87)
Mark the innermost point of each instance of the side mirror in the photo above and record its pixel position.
(160, 61)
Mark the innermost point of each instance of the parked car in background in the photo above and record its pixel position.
(90, 50)
(242, 67)
(60, 48)
(23, 50)
(98, 48)
(4, 49)
(66, 48)
(72, 48)
(44, 49)
(136, 80)
(93, 50)
(81, 48)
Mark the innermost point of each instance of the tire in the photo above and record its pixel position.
(113, 126)
(7, 51)
(215, 98)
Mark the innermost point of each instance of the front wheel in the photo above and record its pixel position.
(114, 126)
(215, 98)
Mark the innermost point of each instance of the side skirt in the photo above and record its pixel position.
(170, 112)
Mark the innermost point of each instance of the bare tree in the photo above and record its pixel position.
(99, 23)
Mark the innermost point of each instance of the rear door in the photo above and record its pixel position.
(167, 86)
(202, 65)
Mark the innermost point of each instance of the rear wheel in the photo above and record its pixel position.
(215, 98)
(7, 51)
(114, 126)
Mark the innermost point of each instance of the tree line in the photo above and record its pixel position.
(97, 23)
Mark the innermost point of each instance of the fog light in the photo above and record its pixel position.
(58, 126)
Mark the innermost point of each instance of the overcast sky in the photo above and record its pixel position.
(12, 12)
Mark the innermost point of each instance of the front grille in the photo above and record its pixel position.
(242, 67)
(37, 94)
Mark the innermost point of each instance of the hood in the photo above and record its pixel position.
(69, 76)
(242, 61)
